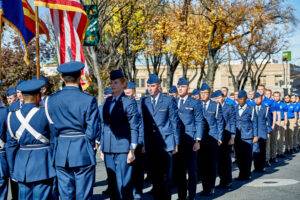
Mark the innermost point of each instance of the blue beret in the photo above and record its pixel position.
(42, 78)
(11, 91)
(107, 91)
(242, 94)
(70, 67)
(257, 95)
(19, 82)
(31, 86)
(131, 85)
(115, 74)
(173, 89)
(204, 87)
(183, 81)
(217, 93)
(153, 79)
(195, 92)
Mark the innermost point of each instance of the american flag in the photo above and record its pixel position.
(70, 22)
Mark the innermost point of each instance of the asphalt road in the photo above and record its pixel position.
(280, 181)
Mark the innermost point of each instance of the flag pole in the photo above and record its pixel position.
(37, 42)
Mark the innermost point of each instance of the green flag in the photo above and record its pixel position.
(92, 33)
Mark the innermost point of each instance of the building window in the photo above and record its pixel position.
(278, 80)
(137, 82)
(142, 82)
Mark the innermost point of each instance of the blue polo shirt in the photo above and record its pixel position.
(267, 102)
(279, 106)
(291, 110)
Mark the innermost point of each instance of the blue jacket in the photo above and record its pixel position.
(264, 123)
(161, 123)
(120, 126)
(15, 106)
(4, 170)
(246, 124)
(141, 127)
(214, 117)
(33, 160)
(75, 116)
(191, 116)
(229, 117)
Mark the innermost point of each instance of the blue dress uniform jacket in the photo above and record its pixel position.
(264, 122)
(247, 123)
(161, 123)
(74, 112)
(229, 117)
(33, 161)
(214, 117)
(120, 126)
(4, 171)
(191, 115)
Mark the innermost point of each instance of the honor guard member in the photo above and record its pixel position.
(161, 133)
(264, 127)
(4, 171)
(246, 135)
(211, 139)
(119, 137)
(225, 149)
(173, 91)
(75, 116)
(138, 165)
(191, 121)
(28, 128)
(228, 100)
(11, 95)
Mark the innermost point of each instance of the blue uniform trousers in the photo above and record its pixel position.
(209, 157)
(3, 188)
(119, 176)
(161, 173)
(259, 157)
(224, 162)
(138, 173)
(243, 151)
(39, 190)
(76, 182)
(187, 163)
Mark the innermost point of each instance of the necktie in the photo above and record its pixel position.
(205, 104)
(181, 103)
(153, 103)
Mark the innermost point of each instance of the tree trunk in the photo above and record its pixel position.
(212, 67)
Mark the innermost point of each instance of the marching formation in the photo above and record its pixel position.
(48, 143)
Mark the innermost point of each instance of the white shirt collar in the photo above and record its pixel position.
(156, 97)
(244, 107)
(184, 98)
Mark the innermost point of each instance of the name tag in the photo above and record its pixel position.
(162, 110)
(189, 108)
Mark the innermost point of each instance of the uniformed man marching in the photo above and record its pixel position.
(139, 163)
(29, 134)
(119, 137)
(264, 128)
(211, 139)
(75, 116)
(246, 135)
(191, 120)
(225, 149)
(161, 133)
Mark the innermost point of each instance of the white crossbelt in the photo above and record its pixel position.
(26, 126)
(9, 127)
(47, 111)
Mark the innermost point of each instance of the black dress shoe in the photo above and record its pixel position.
(106, 192)
(268, 164)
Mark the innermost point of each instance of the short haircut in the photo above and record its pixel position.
(71, 78)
